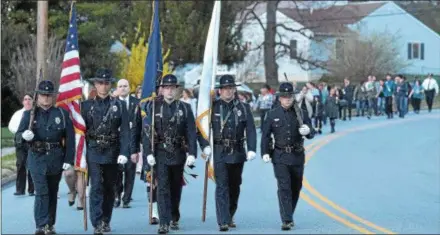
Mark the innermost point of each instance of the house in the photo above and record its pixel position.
(319, 32)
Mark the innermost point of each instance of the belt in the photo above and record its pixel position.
(45, 146)
(227, 142)
(102, 139)
(290, 149)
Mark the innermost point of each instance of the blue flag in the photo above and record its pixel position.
(153, 63)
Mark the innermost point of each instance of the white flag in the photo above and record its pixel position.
(207, 80)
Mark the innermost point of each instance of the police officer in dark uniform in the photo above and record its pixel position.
(107, 138)
(51, 142)
(233, 125)
(173, 124)
(288, 123)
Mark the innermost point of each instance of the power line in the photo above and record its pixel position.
(347, 18)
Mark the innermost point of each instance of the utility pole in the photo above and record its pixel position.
(42, 28)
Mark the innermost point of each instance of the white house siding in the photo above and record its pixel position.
(253, 33)
(395, 20)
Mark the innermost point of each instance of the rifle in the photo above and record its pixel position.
(32, 117)
(150, 212)
(296, 107)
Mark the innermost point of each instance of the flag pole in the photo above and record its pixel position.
(214, 34)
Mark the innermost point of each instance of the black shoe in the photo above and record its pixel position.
(163, 229)
(52, 229)
(224, 228)
(106, 227)
(48, 230)
(71, 203)
(174, 225)
(18, 194)
(98, 230)
(287, 226)
(154, 220)
(39, 231)
(126, 205)
(79, 208)
(31, 194)
(117, 203)
(232, 224)
(319, 132)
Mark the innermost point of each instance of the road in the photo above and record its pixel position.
(371, 176)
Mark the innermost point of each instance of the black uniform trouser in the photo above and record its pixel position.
(102, 180)
(22, 172)
(169, 192)
(429, 95)
(46, 198)
(227, 190)
(289, 180)
(125, 181)
(389, 106)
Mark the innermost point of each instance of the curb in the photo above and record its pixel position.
(9, 179)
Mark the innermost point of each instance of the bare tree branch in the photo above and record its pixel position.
(23, 64)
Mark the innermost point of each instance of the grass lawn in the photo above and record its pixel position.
(7, 138)
(8, 165)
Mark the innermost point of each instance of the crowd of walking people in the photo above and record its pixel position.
(368, 98)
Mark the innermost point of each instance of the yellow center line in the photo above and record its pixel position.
(312, 149)
(334, 216)
(342, 210)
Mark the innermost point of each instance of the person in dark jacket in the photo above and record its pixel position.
(289, 124)
(232, 127)
(348, 94)
(108, 144)
(331, 108)
(51, 141)
(319, 113)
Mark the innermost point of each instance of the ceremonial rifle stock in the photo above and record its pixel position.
(32, 116)
(295, 106)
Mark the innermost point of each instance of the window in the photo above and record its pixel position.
(339, 48)
(416, 51)
(293, 49)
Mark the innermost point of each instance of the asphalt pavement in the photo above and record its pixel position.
(371, 176)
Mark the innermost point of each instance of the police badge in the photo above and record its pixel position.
(57, 120)
(180, 112)
(239, 113)
(115, 108)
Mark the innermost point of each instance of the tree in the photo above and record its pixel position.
(132, 67)
(23, 64)
(359, 57)
(273, 44)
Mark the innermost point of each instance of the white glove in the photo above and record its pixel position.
(66, 166)
(207, 152)
(190, 160)
(251, 155)
(266, 158)
(151, 161)
(304, 130)
(27, 135)
(122, 159)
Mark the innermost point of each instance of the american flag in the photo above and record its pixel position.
(70, 91)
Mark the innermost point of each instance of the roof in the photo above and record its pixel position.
(331, 20)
